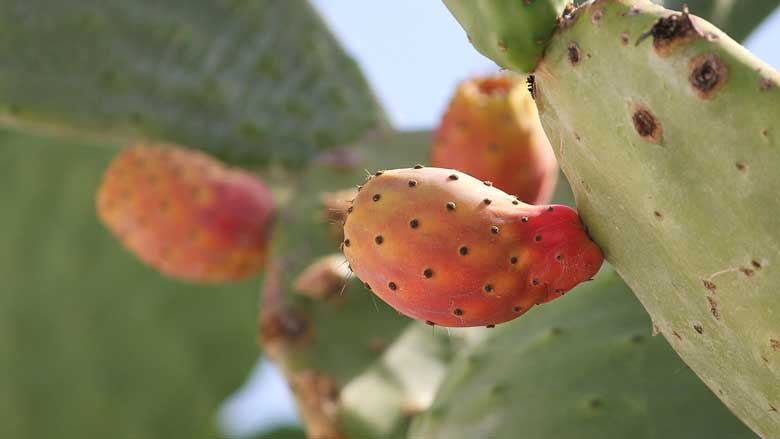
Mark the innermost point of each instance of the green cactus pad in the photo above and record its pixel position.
(93, 344)
(512, 33)
(668, 133)
(583, 367)
(249, 81)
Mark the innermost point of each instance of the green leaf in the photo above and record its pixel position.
(250, 81)
(92, 343)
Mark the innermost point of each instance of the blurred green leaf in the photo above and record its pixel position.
(251, 81)
(92, 343)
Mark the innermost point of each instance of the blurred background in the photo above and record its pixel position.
(59, 359)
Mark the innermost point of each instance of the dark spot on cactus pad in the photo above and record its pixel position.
(376, 197)
(676, 335)
(765, 84)
(596, 16)
(538, 238)
(595, 403)
(418, 166)
(502, 45)
(490, 326)
(524, 219)
(488, 288)
(558, 257)
(774, 344)
(350, 209)
(756, 264)
(709, 285)
(346, 243)
(487, 201)
(534, 281)
(574, 54)
(549, 208)
(636, 338)
(359, 187)
(378, 173)
(392, 286)
(414, 223)
(412, 183)
(741, 167)
(368, 287)
(658, 215)
(429, 323)
(517, 308)
(487, 183)
(457, 311)
(707, 74)
(698, 329)
(515, 202)
(463, 250)
(453, 177)
(450, 206)
(714, 308)
(428, 273)
(513, 260)
(646, 124)
(624, 38)
(494, 230)
(670, 31)
(379, 239)
(772, 408)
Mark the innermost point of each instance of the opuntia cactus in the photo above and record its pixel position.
(491, 131)
(441, 246)
(666, 130)
(186, 214)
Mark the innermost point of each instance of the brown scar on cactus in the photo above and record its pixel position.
(774, 344)
(708, 73)
(714, 308)
(672, 31)
(646, 124)
(574, 53)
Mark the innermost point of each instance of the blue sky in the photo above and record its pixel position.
(413, 53)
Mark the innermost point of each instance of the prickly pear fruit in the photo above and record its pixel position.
(441, 246)
(186, 214)
(491, 130)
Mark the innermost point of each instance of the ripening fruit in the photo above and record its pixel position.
(441, 246)
(491, 130)
(187, 214)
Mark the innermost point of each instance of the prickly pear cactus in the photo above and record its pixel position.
(510, 32)
(584, 368)
(689, 230)
(491, 131)
(441, 246)
(666, 130)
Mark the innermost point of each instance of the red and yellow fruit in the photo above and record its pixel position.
(187, 214)
(441, 246)
(491, 130)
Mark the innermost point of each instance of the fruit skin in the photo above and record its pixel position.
(491, 130)
(186, 214)
(441, 246)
